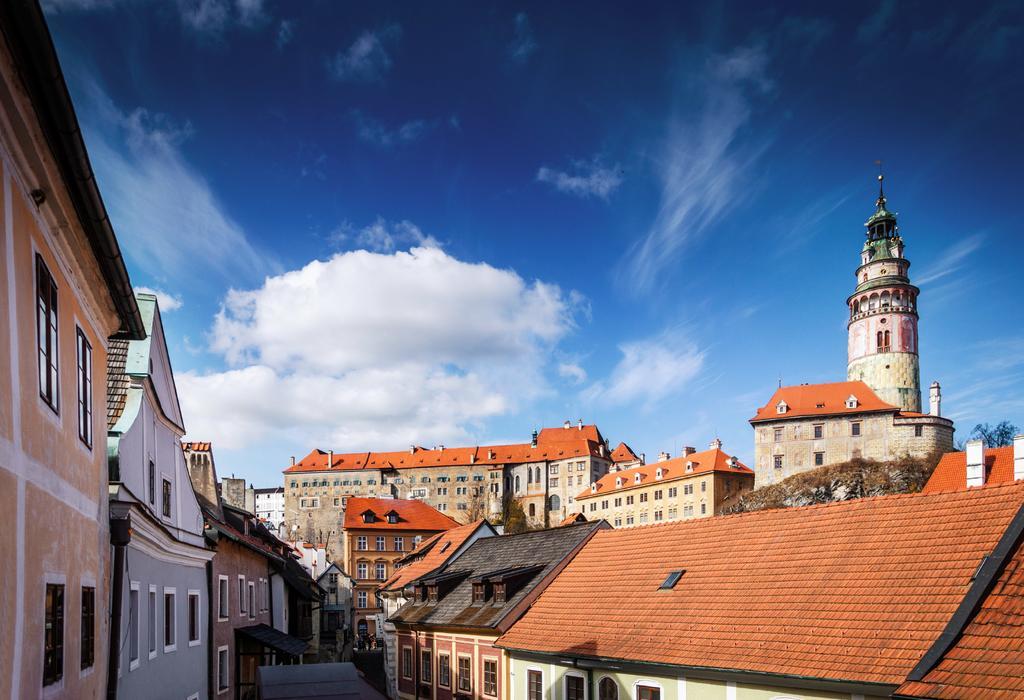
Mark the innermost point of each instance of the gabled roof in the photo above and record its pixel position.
(821, 400)
(671, 469)
(988, 658)
(951, 472)
(623, 453)
(412, 515)
(572, 519)
(548, 549)
(432, 553)
(855, 591)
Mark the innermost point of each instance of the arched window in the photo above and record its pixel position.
(873, 302)
(607, 690)
(885, 299)
(887, 340)
(856, 310)
(517, 483)
(533, 510)
(879, 340)
(537, 475)
(529, 475)
(554, 503)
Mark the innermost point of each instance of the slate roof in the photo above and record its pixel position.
(431, 554)
(821, 400)
(117, 381)
(412, 515)
(988, 659)
(951, 472)
(548, 549)
(671, 469)
(855, 591)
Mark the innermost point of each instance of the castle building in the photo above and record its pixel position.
(876, 414)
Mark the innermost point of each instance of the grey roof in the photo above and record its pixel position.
(117, 381)
(275, 639)
(340, 681)
(545, 548)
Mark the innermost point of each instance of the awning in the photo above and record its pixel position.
(275, 639)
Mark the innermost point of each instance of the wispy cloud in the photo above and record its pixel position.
(382, 236)
(285, 32)
(204, 18)
(872, 28)
(367, 59)
(703, 163)
(372, 131)
(523, 43)
(587, 179)
(796, 230)
(649, 371)
(573, 372)
(167, 301)
(951, 260)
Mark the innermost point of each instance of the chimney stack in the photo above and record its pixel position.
(293, 460)
(935, 399)
(975, 463)
(687, 450)
(643, 458)
(1018, 457)
(330, 458)
(533, 439)
(566, 425)
(716, 444)
(663, 456)
(579, 425)
(412, 449)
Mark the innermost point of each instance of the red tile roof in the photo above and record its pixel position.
(431, 554)
(951, 472)
(552, 444)
(412, 515)
(572, 519)
(196, 446)
(856, 590)
(821, 400)
(671, 469)
(623, 453)
(987, 661)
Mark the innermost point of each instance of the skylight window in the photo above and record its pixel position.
(445, 547)
(671, 580)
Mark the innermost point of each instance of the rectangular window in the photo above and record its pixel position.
(222, 598)
(252, 599)
(222, 669)
(777, 461)
(399, 544)
(152, 483)
(426, 666)
(534, 685)
(646, 692)
(241, 595)
(657, 516)
(491, 677)
(819, 459)
(151, 619)
(362, 570)
(819, 431)
(629, 500)
(704, 486)
(361, 543)
(553, 469)
(778, 434)
(84, 389)
(703, 508)
(618, 502)
(673, 492)
(407, 662)
(170, 611)
(918, 430)
(167, 499)
(380, 544)
(382, 571)
(444, 670)
(657, 495)
(53, 647)
(855, 429)
(465, 674)
(643, 498)
(88, 626)
(361, 599)
(133, 626)
(193, 618)
(46, 336)
(554, 482)
(573, 688)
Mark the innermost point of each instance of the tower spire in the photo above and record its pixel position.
(880, 202)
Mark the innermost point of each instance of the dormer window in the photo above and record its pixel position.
(851, 401)
(660, 473)
(499, 593)
(479, 593)
(432, 593)
(593, 485)
(689, 466)
(369, 517)
(392, 517)
(781, 407)
(618, 483)
(636, 479)
(421, 593)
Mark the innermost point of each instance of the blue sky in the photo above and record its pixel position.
(378, 224)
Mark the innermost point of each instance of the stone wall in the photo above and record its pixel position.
(894, 376)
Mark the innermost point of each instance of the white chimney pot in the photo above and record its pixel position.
(975, 463)
(1018, 457)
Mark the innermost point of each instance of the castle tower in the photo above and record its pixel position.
(882, 332)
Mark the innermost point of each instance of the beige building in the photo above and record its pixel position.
(465, 483)
(66, 293)
(693, 485)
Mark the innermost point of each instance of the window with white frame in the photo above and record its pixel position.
(407, 662)
(133, 626)
(252, 599)
(241, 595)
(194, 618)
(361, 543)
(574, 687)
(151, 619)
(490, 677)
(534, 684)
(223, 602)
(46, 335)
(222, 670)
(170, 616)
(84, 388)
(361, 599)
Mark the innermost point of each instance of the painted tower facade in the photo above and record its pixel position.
(882, 332)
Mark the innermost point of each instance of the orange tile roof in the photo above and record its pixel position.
(951, 472)
(431, 554)
(988, 658)
(623, 453)
(552, 444)
(412, 515)
(671, 469)
(821, 400)
(856, 590)
(196, 446)
(572, 519)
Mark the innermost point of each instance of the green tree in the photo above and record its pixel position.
(514, 518)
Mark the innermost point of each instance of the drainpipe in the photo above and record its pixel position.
(120, 536)
(210, 651)
(415, 661)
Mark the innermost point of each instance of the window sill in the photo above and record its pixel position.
(152, 654)
(168, 650)
(132, 665)
(195, 643)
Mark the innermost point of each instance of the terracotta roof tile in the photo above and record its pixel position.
(821, 400)
(412, 515)
(623, 453)
(951, 472)
(856, 590)
(988, 659)
(671, 469)
(572, 519)
(117, 381)
(431, 554)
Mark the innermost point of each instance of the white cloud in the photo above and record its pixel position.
(372, 131)
(371, 349)
(166, 300)
(572, 372)
(649, 371)
(167, 217)
(209, 18)
(523, 42)
(588, 179)
(703, 164)
(950, 261)
(366, 59)
(285, 32)
(382, 236)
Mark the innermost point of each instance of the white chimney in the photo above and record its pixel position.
(472, 457)
(579, 425)
(716, 444)
(412, 449)
(975, 463)
(663, 456)
(935, 399)
(293, 460)
(1018, 457)
(330, 458)
(566, 425)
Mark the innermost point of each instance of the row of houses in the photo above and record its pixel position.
(125, 572)
(911, 595)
